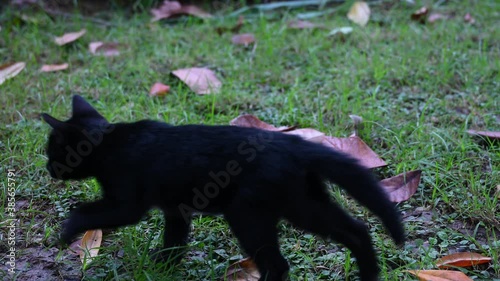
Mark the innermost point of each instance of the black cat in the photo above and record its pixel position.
(252, 177)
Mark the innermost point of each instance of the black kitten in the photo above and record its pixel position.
(252, 177)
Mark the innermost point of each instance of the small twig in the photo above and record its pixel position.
(285, 4)
(69, 15)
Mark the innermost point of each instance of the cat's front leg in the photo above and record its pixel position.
(100, 214)
(175, 239)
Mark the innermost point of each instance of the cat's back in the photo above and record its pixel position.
(160, 138)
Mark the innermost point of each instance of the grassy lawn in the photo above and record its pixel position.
(418, 87)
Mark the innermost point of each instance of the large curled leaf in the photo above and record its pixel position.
(401, 187)
(242, 270)
(91, 242)
(69, 37)
(357, 148)
(202, 81)
(486, 134)
(10, 70)
(173, 8)
(463, 259)
(251, 121)
(439, 275)
(308, 134)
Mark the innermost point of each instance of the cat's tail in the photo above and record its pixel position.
(359, 182)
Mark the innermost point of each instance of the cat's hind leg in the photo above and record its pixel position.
(256, 231)
(325, 218)
(175, 238)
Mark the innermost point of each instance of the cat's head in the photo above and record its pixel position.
(73, 143)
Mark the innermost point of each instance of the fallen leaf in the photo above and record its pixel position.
(69, 37)
(308, 134)
(76, 247)
(469, 19)
(54, 67)
(158, 89)
(202, 81)
(358, 149)
(105, 49)
(195, 11)
(420, 15)
(439, 275)
(243, 39)
(242, 270)
(340, 31)
(487, 134)
(359, 13)
(435, 17)
(91, 242)
(401, 187)
(173, 8)
(498, 191)
(303, 24)
(464, 259)
(251, 121)
(10, 70)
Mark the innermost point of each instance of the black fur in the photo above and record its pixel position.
(252, 177)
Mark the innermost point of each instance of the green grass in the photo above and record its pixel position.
(418, 88)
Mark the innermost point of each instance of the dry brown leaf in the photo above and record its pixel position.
(359, 13)
(242, 270)
(303, 24)
(202, 81)
(69, 37)
(166, 10)
(54, 67)
(439, 275)
(464, 259)
(401, 187)
(158, 89)
(9, 70)
(420, 15)
(173, 8)
(105, 49)
(75, 247)
(243, 39)
(435, 17)
(308, 134)
(91, 242)
(487, 134)
(251, 121)
(358, 149)
(195, 11)
(469, 19)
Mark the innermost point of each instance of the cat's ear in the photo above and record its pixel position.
(53, 122)
(82, 108)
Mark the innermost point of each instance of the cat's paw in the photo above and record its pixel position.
(68, 233)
